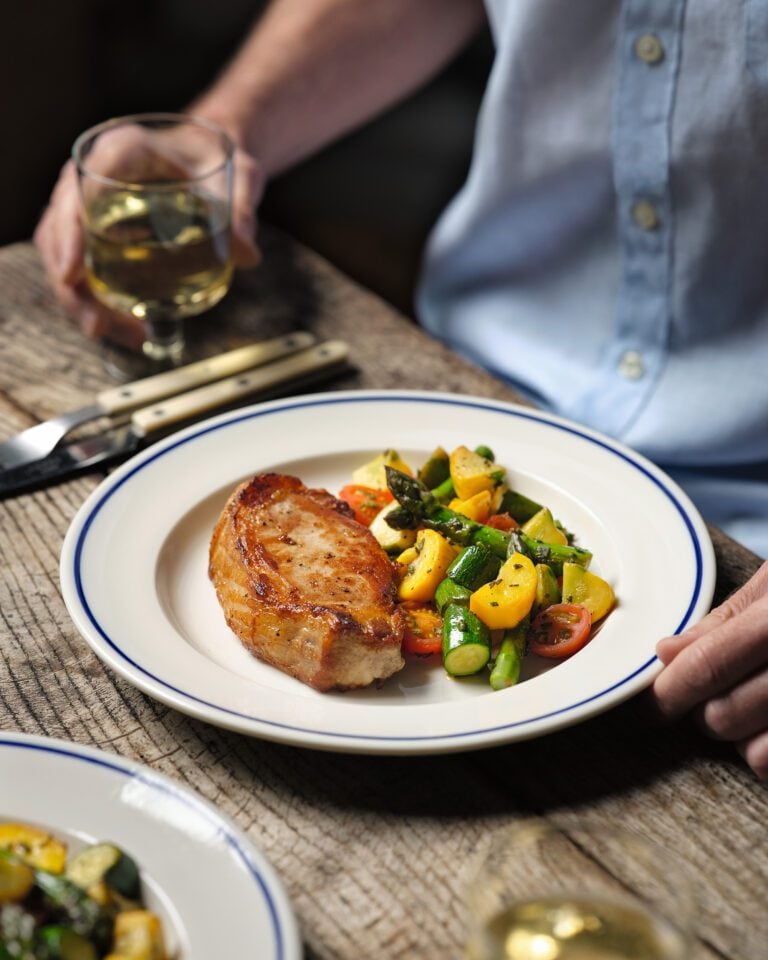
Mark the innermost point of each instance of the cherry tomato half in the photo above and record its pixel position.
(560, 630)
(502, 521)
(365, 501)
(423, 629)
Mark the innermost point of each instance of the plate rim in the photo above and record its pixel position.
(283, 919)
(191, 704)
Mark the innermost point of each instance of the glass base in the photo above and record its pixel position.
(124, 365)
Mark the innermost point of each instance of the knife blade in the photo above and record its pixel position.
(38, 441)
(150, 423)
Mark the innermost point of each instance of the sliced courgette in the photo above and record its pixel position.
(547, 589)
(448, 591)
(518, 506)
(393, 541)
(466, 642)
(474, 566)
(542, 526)
(105, 863)
(435, 470)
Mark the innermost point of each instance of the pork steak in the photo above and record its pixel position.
(304, 586)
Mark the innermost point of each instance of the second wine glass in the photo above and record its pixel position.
(156, 192)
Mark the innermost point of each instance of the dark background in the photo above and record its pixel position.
(367, 203)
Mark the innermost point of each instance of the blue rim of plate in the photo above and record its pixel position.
(165, 785)
(146, 459)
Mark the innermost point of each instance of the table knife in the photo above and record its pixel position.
(38, 441)
(152, 422)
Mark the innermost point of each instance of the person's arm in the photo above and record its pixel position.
(313, 69)
(309, 71)
(719, 670)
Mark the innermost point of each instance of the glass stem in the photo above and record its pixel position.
(165, 340)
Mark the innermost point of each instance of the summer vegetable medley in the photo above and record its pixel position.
(84, 907)
(487, 575)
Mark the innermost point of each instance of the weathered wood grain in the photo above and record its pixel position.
(376, 853)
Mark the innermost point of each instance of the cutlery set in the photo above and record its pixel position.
(145, 410)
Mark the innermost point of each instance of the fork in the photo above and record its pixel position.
(38, 441)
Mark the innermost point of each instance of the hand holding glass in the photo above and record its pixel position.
(156, 194)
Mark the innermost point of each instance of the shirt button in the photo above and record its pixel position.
(645, 215)
(631, 365)
(649, 49)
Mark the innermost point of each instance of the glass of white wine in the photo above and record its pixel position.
(156, 193)
(575, 892)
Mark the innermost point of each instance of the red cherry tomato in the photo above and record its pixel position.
(502, 521)
(560, 630)
(423, 629)
(365, 501)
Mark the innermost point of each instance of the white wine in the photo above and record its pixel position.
(576, 929)
(158, 253)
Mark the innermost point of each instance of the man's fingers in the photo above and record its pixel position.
(714, 663)
(97, 321)
(755, 752)
(741, 712)
(668, 648)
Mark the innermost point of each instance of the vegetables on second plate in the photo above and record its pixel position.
(487, 574)
(85, 907)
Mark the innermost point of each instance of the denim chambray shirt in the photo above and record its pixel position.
(608, 254)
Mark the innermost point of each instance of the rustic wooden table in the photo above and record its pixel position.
(375, 852)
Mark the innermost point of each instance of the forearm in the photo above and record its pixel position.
(314, 69)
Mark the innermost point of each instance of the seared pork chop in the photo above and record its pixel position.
(305, 586)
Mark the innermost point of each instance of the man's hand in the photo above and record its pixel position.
(719, 669)
(60, 240)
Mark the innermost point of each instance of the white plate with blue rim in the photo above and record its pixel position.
(215, 894)
(134, 570)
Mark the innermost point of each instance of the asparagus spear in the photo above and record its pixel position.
(418, 505)
(506, 669)
(552, 554)
(421, 507)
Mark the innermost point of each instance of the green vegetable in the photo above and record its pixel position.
(448, 591)
(474, 566)
(506, 669)
(443, 489)
(82, 913)
(519, 507)
(62, 943)
(466, 642)
(552, 554)
(104, 862)
(392, 539)
(547, 589)
(486, 452)
(436, 470)
(420, 506)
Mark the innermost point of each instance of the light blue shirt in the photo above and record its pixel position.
(608, 254)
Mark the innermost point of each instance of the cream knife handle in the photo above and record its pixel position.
(225, 392)
(143, 392)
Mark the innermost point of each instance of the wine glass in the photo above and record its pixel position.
(571, 891)
(156, 196)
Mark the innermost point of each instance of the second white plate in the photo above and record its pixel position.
(134, 570)
(215, 893)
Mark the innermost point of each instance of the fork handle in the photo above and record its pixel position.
(141, 393)
(229, 391)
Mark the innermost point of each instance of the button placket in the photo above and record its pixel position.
(650, 50)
